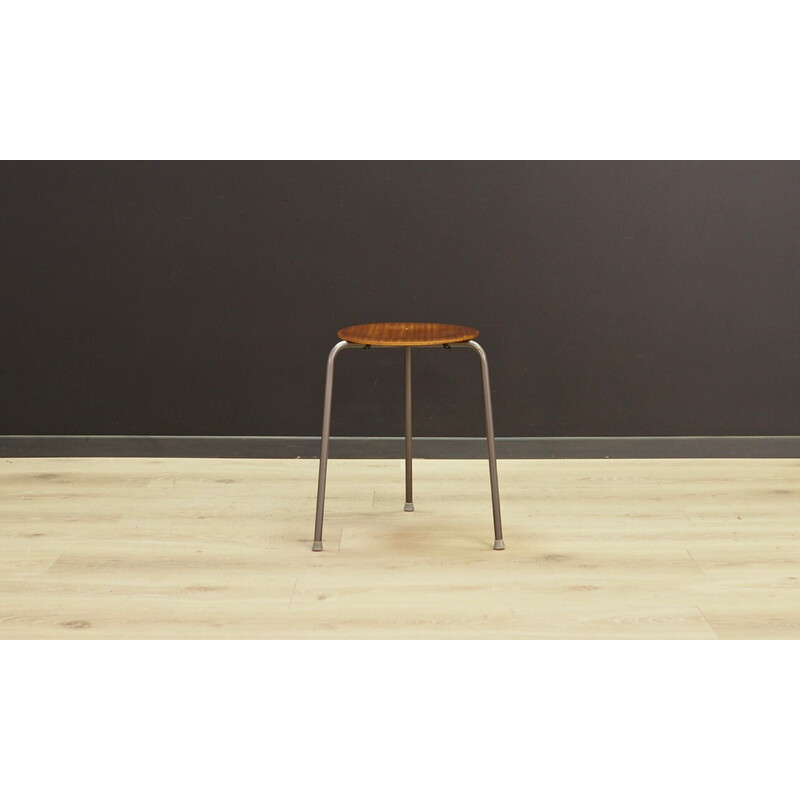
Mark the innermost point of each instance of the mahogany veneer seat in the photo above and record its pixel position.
(407, 334)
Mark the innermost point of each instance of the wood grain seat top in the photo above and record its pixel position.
(406, 334)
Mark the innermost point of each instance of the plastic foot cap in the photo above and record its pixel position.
(499, 544)
(408, 507)
(316, 547)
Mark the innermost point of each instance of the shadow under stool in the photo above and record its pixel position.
(407, 335)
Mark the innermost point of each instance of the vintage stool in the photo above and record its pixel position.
(407, 335)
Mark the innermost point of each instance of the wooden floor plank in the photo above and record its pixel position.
(221, 548)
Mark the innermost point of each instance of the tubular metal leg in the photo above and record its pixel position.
(409, 506)
(499, 544)
(326, 432)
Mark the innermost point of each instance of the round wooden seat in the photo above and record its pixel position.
(406, 334)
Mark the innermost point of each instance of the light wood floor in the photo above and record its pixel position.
(206, 548)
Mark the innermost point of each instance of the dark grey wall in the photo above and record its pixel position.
(201, 298)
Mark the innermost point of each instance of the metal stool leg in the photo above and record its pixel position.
(499, 544)
(326, 433)
(409, 506)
